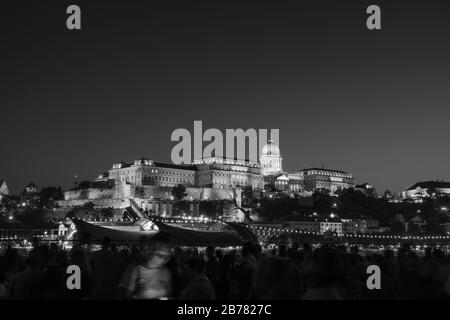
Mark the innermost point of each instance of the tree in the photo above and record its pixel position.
(398, 227)
(106, 213)
(86, 211)
(8, 203)
(353, 204)
(283, 207)
(413, 228)
(48, 195)
(322, 201)
(388, 195)
(339, 191)
(398, 224)
(89, 206)
(434, 227)
(371, 193)
(32, 218)
(179, 192)
(214, 208)
(181, 207)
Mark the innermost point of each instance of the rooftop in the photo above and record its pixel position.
(175, 166)
(430, 184)
(225, 160)
(323, 169)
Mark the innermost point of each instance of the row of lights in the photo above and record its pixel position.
(105, 220)
(356, 236)
(401, 237)
(8, 238)
(15, 237)
(191, 219)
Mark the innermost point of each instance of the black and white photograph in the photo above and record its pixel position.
(221, 155)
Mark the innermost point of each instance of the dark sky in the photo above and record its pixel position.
(374, 103)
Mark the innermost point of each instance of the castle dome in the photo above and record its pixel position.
(270, 149)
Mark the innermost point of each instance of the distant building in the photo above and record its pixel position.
(423, 189)
(266, 230)
(360, 225)
(305, 225)
(446, 227)
(147, 172)
(373, 226)
(322, 225)
(4, 191)
(31, 188)
(365, 188)
(331, 226)
(303, 181)
(383, 229)
(316, 178)
(63, 229)
(272, 171)
(270, 160)
(421, 223)
(318, 224)
(222, 173)
(30, 194)
(354, 226)
(212, 178)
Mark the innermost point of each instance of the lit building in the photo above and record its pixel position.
(305, 225)
(31, 188)
(272, 171)
(222, 173)
(416, 220)
(373, 226)
(211, 178)
(316, 178)
(307, 180)
(270, 160)
(365, 188)
(30, 194)
(149, 183)
(318, 224)
(423, 189)
(446, 227)
(359, 225)
(147, 172)
(211, 172)
(264, 231)
(4, 191)
(331, 226)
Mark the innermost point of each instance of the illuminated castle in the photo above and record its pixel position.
(207, 179)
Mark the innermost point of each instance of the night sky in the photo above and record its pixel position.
(374, 103)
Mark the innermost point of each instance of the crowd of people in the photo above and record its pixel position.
(153, 269)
